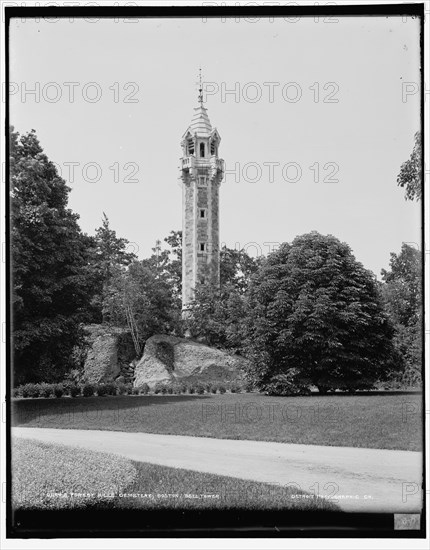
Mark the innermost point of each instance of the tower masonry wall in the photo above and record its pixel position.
(201, 177)
(199, 265)
(188, 242)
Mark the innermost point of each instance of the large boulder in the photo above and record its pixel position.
(168, 358)
(109, 352)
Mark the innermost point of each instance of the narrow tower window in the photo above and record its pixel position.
(213, 148)
(202, 149)
(190, 147)
(203, 212)
(202, 247)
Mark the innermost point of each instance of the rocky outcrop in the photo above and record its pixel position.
(110, 350)
(168, 358)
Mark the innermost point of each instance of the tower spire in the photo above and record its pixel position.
(201, 173)
(200, 87)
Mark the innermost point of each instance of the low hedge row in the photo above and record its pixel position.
(71, 389)
(193, 388)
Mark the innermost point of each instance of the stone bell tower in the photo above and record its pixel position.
(201, 174)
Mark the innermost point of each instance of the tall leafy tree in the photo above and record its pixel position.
(410, 176)
(168, 262)
(217, 314)
(111, 250)
(109, 258)
(174, 240)
(145, 295)
(237, 267)
(51, 277)
(403, 297)
(315, 309)
(142, 299)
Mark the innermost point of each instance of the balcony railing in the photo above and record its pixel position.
(188, 162)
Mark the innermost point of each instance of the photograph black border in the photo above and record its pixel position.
(179, 524)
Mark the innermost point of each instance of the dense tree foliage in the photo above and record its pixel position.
(217, 314)
(308, 314)
(236, 268)
(403, 297)
(141, 298)
(145, 295)
(174, 266)
(52, 279)
(167, 263)
(109, 256)
(314, 308)
(410, 176)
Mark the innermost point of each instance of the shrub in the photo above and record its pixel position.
(88, 390)
(163, 389)
(191, 388)
(58, 390)
(31, 390)
(285, 385)
(41, 391)
(66, 386)
(16, 392)
(213, 388)
(74, 390)
(45, 389)
(200, 389)
(177, 388)
(221, 389)
(35, 390)
(135, 391)
(248, 387)
(102, 390)
(144, 388)
(120, 388)
(129, 388)
(235, 388)
(110, 388)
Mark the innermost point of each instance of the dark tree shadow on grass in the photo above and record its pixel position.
(25, 411)
(111, 411)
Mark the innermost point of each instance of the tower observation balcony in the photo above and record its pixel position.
(188, 163)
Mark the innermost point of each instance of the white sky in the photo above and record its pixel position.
(368, 133)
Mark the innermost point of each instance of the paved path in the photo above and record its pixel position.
(383, 480)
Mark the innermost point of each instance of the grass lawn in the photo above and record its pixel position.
(57, 477)
(43, 473)
(178, 488)
(382, 420)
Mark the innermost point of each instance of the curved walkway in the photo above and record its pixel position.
(358, 480)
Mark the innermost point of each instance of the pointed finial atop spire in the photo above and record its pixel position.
(200, 87)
